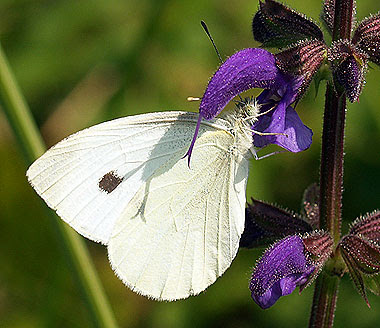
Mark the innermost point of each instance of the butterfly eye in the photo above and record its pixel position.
(109, 182)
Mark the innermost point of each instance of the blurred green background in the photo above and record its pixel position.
(83, 62)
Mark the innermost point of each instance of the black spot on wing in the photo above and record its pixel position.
(109, 182)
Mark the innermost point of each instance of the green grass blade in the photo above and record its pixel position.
(32, 146)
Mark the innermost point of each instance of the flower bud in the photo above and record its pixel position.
(349, 64)
(265, 223)
(276, 25)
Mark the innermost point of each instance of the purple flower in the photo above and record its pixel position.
(292, 135)
(282, 268)
(256, 68)
(246, 69)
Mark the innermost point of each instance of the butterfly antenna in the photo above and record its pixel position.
(213, 43)
(211, 39)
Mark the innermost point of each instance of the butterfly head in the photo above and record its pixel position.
(248, 110)
(244, 116)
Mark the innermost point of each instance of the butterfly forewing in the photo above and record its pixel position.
(90, 177)
(182, 228)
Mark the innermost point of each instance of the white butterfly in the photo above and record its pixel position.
(171, 229)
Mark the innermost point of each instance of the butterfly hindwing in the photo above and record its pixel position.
(181, 230)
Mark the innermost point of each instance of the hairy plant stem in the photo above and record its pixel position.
(325, 295)
(331, 172)
(331, 179)
(32, 146)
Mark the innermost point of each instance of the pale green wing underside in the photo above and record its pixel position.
(182, 228)
(67, 176)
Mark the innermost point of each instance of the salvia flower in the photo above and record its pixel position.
(282, 268)
(291, 262)
(297, 259)
(303, 49)
(256, 68)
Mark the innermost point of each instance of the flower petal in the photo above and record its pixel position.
(282, 267)
(297, 136)
(283, 287)
(246, 69)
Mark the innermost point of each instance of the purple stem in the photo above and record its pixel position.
(331, 172)
(331, 178)
(325, 296)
